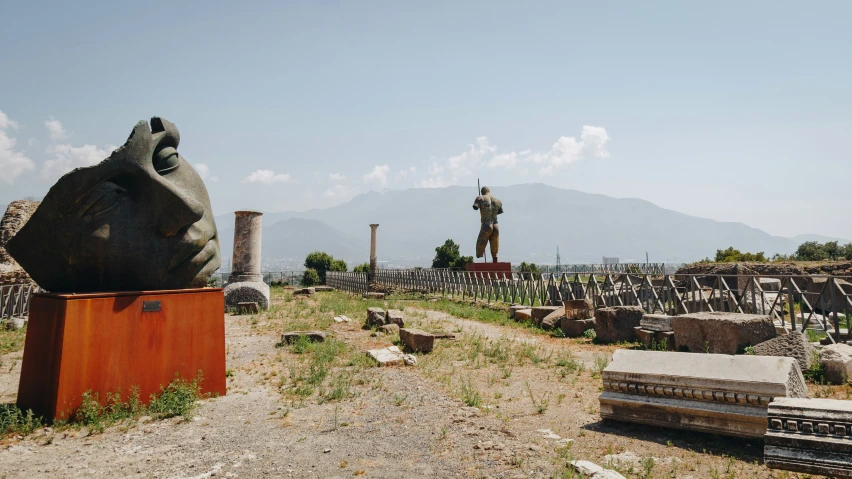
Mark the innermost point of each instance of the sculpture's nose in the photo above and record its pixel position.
(178, 210)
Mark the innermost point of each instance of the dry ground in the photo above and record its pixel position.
(500, 401)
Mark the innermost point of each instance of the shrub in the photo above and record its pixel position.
(732, 255)
(448, 256)
(362, 268)
(321, 262)
(311, 278)
(529, 268)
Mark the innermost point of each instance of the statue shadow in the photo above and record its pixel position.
(748, 450)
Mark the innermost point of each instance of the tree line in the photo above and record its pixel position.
(807, 251)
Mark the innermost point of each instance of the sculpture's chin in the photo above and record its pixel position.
(195, 272)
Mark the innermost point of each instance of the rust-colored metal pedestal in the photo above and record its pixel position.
(105, 342)
(490, 270)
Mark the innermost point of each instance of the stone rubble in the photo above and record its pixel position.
(314, 336)
(594, 471)
(417, 340)
(837, 361)
(615, 324)
(389, 356)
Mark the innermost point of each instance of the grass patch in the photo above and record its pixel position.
(11, 341)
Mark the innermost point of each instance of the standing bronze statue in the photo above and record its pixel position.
(489, 207)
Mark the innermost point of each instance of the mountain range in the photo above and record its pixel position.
(537, 219)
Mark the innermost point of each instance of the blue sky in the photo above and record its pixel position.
(737, 111)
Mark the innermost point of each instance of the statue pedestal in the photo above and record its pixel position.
(490, 270)
(106, 342)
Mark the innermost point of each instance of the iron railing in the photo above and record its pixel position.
(15, 299)
(290, 277)
(816, 302)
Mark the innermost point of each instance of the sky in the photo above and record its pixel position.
(736, 111)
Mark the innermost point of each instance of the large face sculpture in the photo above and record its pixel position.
(139, 220)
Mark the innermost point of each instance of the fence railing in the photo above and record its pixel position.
(290, 277)
(816, 302)
(632, 268)
(15, 300)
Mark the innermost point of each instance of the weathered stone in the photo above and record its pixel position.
(656, 322)
(14, 323)
(342, 319)
(323, 289)
(417, 340)
(720, 333)
(541, 312)
(516, 307)
(247, 292)
(811, 436)
(553, 320)
(656, 340)
(793, 345)
(442, 335)
(245, 264)
(247, 308)
(120, 225)
(409, 359)
(579, 309)
(573, 328)
(837, 360)
(376, 317)
(291, 336)
(390, 356)
(594, 471)
(304, 291)
(396, 317)
(389, 328)
(523, 314)
(616, 324)
(770, 284)
(713, 393)
(373, 295)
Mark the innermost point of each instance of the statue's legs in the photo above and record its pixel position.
(494, 240)
(484, 234)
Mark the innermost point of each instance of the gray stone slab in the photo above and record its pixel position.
(770, 284)
(291, 336)
(616, 324)
(837, 361)
(712, 393)
(721, 333)
(811, 436)
(516, 307)
(390, 356)
(656, 322)
(396, 317)
(793, 345)
(376, 317)
(541, 312)
(417, 340)
(573, 328)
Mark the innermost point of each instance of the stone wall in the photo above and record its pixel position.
(836, 268)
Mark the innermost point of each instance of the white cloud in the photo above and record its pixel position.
(67, 157)
(56, 130)
(336, 177)
(338, 193)
(268, 177)
(12, 163)
(379, 174)
(431, 182)
(402, 174)
(465, 163)
(204, 172)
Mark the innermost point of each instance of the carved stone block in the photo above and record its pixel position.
(809, 436)
(712, 393)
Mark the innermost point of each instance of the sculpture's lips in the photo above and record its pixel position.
(194, 255)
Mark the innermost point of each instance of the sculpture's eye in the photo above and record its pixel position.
(101, 199)
(166, 159)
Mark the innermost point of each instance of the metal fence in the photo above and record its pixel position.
(15, 300)
(290, 277)
(615, 268)
(816, 302)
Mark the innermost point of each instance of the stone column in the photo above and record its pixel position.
(373, 258)
(245, 284)
(245, 265)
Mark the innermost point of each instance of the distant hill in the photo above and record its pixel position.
(537, 219)
(818, 238)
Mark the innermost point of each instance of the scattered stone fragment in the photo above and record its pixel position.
(837, 360)
(417, 340)
(579, 309)
(15, 323)
(770, 284)
(389, 328)
(553, 320)
(376, 317)
(513, 308)
(594, 471)
(793, 345)
(721, 333)
(658, 340)
(573, 328)
(389, 356)
(314, 336)
(616, 324)
(374, 295)
(523, 314)
(444, 335)
(247, 307)
(538, 313)
(409, 359)
(396, 317)
(656, 322)
(323, 289)
(345, 318)
(304, 292)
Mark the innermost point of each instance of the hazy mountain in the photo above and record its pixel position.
(819, 238)
(537, 219)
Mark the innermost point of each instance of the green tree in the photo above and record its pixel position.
(529, 268)
(448, 256)
(362, 268)
(811, 251)
(732, 255)
(311, 278)
(321, 262)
